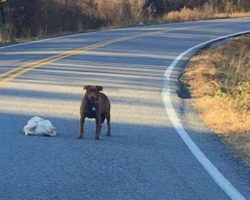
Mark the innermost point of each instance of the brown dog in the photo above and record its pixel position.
(95, 105)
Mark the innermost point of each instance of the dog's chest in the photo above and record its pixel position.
(90, 110)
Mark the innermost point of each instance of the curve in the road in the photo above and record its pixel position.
(18, 71)
(226, 186)
(215, 174)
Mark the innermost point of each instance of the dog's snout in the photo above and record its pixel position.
(92, 98)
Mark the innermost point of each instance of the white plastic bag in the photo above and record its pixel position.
(39, 126)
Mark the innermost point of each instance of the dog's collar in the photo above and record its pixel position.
(91, 109)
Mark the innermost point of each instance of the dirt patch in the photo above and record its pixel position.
(218, 80)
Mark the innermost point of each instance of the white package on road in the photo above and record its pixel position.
(39, 126)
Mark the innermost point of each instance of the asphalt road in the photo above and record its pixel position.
(145, 158)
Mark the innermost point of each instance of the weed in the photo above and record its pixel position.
(226, 110)
(188, 14)
(233, 73)
(242, 98)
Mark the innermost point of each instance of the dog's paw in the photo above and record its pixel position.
(97, 138)
(108, 134)
(80, 137)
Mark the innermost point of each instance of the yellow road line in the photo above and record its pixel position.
(18, 71)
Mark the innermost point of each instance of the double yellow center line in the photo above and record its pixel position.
(18, 71)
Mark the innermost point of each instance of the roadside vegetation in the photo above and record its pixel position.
(26, 20)
(219, 82)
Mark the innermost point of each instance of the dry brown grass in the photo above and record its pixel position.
(219, 82)
(60, 17)
(205, 12)
(187, 14)
(232, 15)
(120, 12)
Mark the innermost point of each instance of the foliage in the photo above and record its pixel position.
(233, 72)
(36, 18)
(190, 14)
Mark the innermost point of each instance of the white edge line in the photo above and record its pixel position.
(106, 30)
(48, 39)
(74, 34)
(215, 174)
(60, 37)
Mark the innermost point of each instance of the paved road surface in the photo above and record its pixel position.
(145, 158)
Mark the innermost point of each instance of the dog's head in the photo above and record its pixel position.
(92, 92)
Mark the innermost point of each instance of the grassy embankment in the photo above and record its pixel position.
(25, 22)
(205, 12)
(219, 82)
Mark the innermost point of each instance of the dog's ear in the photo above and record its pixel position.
(99, 88)
(86, 87)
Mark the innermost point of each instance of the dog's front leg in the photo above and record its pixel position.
(82, 120)
(98, 127)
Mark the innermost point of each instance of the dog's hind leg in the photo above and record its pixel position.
(109, 127)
